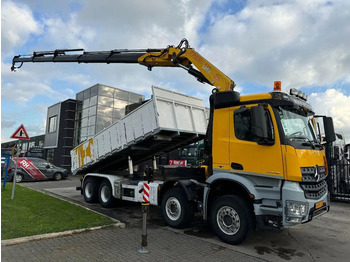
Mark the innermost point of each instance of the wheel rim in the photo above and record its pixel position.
(173, 208)
(105, 194)
(18, 178)
(88, 190)
(58, 176)
(228, 220)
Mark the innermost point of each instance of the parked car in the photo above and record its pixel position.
(33, 169)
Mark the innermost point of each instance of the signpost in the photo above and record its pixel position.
(20, 134)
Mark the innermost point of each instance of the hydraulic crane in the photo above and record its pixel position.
(173, 56)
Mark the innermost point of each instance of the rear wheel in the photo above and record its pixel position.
(57, 176)
(232, 219)
(90, 190)
(105, 195)
(176, 210)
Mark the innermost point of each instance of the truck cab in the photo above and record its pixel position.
(265, 150)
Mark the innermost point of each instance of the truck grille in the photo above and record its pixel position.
(313, 182)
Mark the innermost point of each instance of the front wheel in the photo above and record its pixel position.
(232, 219)
(105, 195)
(19, 178)
(176, 209)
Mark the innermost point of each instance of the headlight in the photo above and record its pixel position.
(296, 211)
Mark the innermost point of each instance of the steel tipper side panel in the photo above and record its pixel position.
(82, 155)
(180, 112)
(165, 122)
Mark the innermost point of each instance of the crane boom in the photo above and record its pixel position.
(180, 56)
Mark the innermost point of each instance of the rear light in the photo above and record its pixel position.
(9, 169)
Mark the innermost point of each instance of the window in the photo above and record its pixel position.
(84, 122)
(105, 101)
(242, 121)
(93, 100)
(106, 91)
(50, 155)
(296, 126)
(118, 113)
(243, 127)
(119, 104)
(105, 111)
(92, 111)
(52, 124)
(86, 103)
(92, 121)
(42, 164)
(120, 94)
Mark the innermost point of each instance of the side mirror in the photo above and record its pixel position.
(258, 122)
(329, 129)
(48, 166)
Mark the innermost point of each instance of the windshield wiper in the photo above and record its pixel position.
(307, 143)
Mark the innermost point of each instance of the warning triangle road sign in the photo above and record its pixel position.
(20, 133)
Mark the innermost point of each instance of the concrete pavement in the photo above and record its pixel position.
(117, 244)
(327, 238)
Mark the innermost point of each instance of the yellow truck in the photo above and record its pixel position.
(266, 164)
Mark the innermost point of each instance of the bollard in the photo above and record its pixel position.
(145, 209)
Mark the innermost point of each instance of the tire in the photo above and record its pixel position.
(19, 178)
(231, 219)
(105, 194)
(90, 190)
(177, 211)
(57, 176)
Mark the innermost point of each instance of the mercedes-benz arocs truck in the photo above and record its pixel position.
(265, 164)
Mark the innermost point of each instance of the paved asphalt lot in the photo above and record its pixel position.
(326, 238)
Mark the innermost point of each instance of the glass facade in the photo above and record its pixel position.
(98, 107)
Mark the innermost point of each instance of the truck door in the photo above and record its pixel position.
(246, 155)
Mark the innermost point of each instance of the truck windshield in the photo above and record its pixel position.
(298, 128)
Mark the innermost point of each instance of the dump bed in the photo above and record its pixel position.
(167, 121)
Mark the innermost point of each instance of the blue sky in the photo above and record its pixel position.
(303, 43)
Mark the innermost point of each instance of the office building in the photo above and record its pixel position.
(59, 133)
(98, 107)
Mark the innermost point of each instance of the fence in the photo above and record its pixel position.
(339, 180)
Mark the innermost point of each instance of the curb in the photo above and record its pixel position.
(20, 240)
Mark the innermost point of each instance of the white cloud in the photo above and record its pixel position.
(298, 42)
(35, 130)
(17, 24)
(7, 123)
(60, 34)
(335, 104)
(21, 87)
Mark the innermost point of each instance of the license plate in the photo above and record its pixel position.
(319, 204)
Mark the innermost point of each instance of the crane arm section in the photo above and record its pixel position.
(180, 56)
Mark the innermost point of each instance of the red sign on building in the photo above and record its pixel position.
(177, 162)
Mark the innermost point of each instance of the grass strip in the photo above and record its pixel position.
(33, 213)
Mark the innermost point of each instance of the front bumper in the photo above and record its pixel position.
(293, 196)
